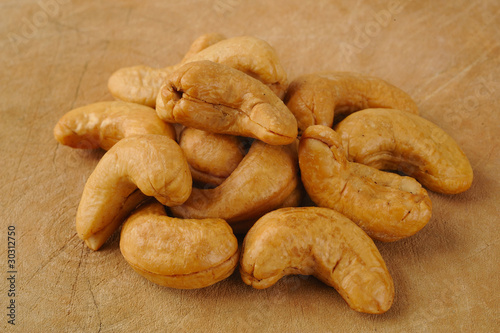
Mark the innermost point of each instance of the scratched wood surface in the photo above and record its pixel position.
(57, 55)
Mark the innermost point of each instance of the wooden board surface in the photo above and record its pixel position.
(58, 54)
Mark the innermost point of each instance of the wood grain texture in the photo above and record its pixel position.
(57, 55)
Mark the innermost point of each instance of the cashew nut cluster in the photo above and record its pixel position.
(219, 144)
(255, 57)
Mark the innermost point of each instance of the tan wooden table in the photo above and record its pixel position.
(58, 54)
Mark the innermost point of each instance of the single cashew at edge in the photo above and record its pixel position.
(320, 242)
(390, 139)
(103, 124)
(151, 165)
(178, 253)
(387, 206)
(315, 98)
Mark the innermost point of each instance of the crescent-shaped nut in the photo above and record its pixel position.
(178, 253)
(320, 242)
(221, 99)
(141, 84)
(387, 206)
(152, 164)
(252, 56)
(391, 139)
(103, 124)
(211, 157)
(265, 177)
(315, 98)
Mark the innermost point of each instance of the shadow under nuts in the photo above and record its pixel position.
(385, 205)
(103, 124)
(136, 167)
(314, 99)
(391, 139)
(263, 180)
(178, 253)
(320, 242)
(220, 99)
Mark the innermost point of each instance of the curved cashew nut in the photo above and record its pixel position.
(320, 242)
(221, 99)
(141, 84)
(105, 123)
(386, 206)
(315, 98)
(178, 253)
(395, 140)
(151, 164)
(211, 157)
(265, 177)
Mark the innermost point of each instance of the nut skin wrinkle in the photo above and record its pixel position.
(391, 139)
(323, 243)
(263, 180)
(178, 253)
(212, 157)
(220, 99)
(316, 98)
(140, 84)
(103, 124)
(153, 164)
(387, 206)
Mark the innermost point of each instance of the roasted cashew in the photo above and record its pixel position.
(220, 99)
(315, 98)
(395, 140)
(105, 123)
(178, 253)
(141, 84)
(265, 177)
(211, 157)
(253, 56)
(386, 205)
(320, 242)
(152, 164)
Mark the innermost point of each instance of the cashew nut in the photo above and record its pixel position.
(386, 206)
(265, 177)
(140, 84)
(152, 164)
(105, 123)
(211, 157)
(315, 98)
(178, 253)
(390, 139)
(320, 242)
(221, 99)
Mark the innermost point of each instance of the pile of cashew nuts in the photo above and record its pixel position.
(220, 144)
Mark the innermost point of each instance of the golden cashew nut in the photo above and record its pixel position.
(140, 84)
(221, 99)
(139, 166)
(265, 177)
(178, 253)
(211, 157)
(391, 139)
(386, 206)
(103, 124)
(320, 242)
(315, 98)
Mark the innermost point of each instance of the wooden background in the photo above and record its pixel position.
(58, 54)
